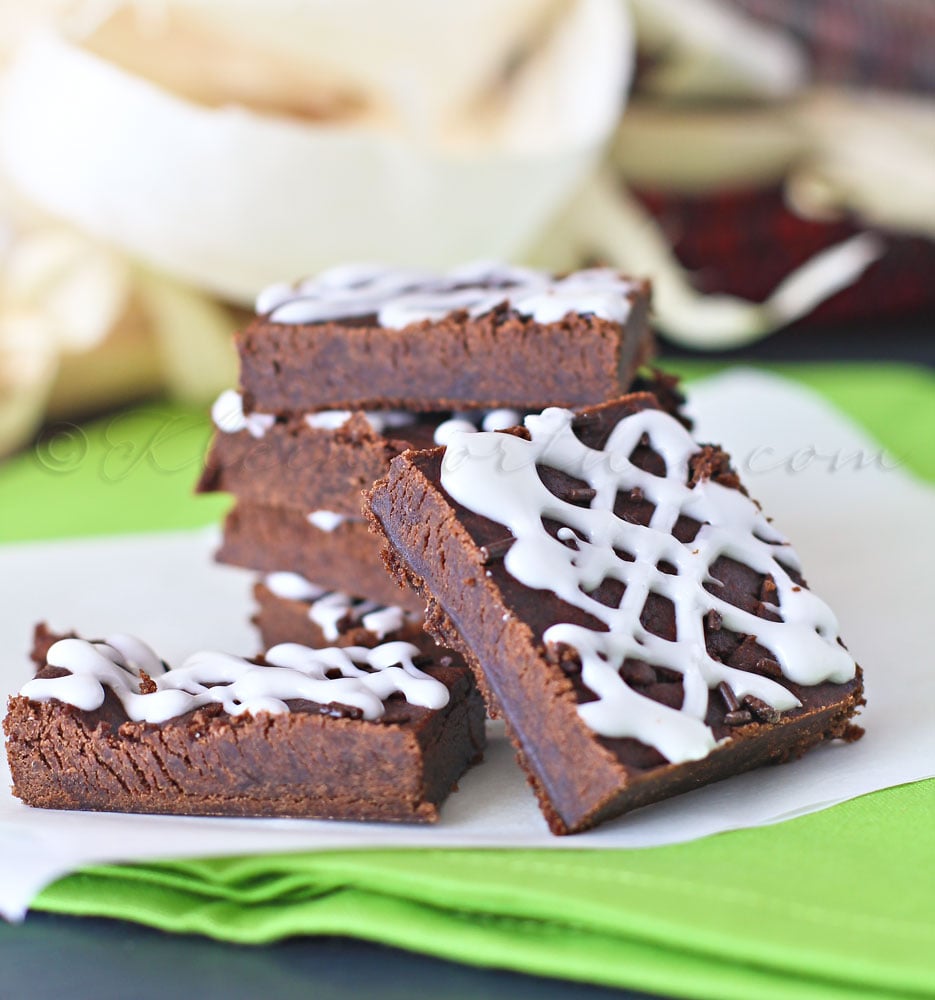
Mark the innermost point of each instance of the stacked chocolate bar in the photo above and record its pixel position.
(345, 371)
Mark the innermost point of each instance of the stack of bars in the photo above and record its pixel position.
(623, 604)
(344, 372)
(604, 580)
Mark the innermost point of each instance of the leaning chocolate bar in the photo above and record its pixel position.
(482, 336)
(642, 625)
(351, 733)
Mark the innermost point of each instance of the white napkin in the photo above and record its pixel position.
(862, 530)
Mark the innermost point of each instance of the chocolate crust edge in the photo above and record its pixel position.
(543, 697)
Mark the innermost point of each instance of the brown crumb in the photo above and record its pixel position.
(147, 684)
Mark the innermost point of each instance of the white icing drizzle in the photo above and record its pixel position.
(401, 296)
(469, 422)
(379, 420)
(328, 520)
(495, 475)
(382, 421)
(229, 417)
(500, 420)
(328, 420)
(293, 587)
(381, 621)
(295, 672)
(327, 609)
(448, 428)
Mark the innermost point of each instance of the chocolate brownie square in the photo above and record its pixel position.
(320, 461)
(643, 626)
(354, 734)
(482, 336)
(339, 553)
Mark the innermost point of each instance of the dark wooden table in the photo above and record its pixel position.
(64, 958)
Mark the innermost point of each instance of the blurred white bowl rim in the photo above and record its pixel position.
(231, 199)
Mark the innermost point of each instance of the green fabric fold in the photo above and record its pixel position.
(824, 906)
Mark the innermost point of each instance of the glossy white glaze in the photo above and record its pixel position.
(495, 475)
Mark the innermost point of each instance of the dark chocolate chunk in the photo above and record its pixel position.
(764, 712)
(495, 550)
(730, 699)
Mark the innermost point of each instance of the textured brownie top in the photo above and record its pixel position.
(647, 557)
(398, 297)
(352, 682)
(334, 611)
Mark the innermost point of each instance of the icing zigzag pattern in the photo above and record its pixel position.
(400, 296)
(496, 475)
(360, 678)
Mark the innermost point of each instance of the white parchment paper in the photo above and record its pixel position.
(856, 517)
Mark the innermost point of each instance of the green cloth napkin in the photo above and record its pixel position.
(832, 905)
(837, 904)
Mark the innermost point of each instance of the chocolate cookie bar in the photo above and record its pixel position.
(643, 626)
(362, 734)
(320, 461)
(480, 337)
(323, 461)
(291, 609)
(336, 552)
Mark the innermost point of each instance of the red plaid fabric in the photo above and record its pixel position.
(873, 43)
(745, 242)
